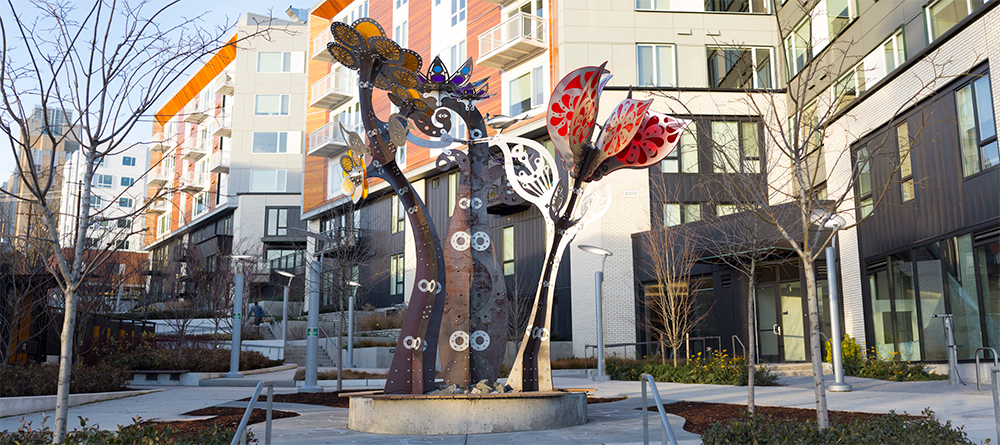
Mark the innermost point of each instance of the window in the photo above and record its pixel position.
(128, 161)
(277, 222)
(104, 181)
(271, 105)
(125, 203)
(163, 224)
(123, 245)
(905, 166)
(397, 267)
(655, 65)
(751, 6)
(653, 5)
(798, 48)
(200, 203)
(678, 213)
(280, 62)
(267, 180)
(398, 221)
(334, 178)
(400, 3)
(508, 250)
(401, 31)
(526, 92)
(124, 223)
(457, 11)
(454, 57)
(944, 14)
(839, 14)
(739, 68)
(872, 68)
(127, 182)
(864, 182)
(276, 141)
(95, 201)
(726, 209)
(684, 159)
(976, 128)
(736, 147)
(452, 192)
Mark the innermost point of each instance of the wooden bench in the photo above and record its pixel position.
(154, 375)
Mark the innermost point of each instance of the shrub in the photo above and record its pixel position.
(138, 432)
(718, 369)
(144, 355)
(891, 428)
(42, 379)
(875, 367)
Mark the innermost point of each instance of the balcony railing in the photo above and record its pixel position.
(223, 125)
(160, 142)
(292, 262)
(153, 267)
(514, 41)
(319, 46)
(193, 182)
(193, 148)
(329, 140)
(333, 90)
(219, 162)
(224, 84)
(158, 206)
(344, 238)
(160, 176)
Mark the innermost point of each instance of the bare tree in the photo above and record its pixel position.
(673, 309)
(106, 63)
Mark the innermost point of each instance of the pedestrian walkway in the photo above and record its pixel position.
(608, 423)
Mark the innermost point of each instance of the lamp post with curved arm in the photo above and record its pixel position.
(599, 292)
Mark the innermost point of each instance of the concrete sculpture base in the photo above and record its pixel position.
(466, 414)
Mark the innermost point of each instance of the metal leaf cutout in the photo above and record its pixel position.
(572, 113)
(618, 130)
(397, 130)
(657, 137)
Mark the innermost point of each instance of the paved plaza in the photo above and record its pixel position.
(608, 423)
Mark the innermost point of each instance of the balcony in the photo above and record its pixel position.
(160, 142)
(153, 267)
(158, 206)
(160, 176)
(197, 115)
(194, 182)
(224, 84)
(499, 2)
(345, 239)
(219, 162)
(333, 91)
(293, 263)
(329, 140)
(319, 46)
(223, 126)
(193, 149)
(514, 41)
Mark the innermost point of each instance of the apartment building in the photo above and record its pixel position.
(226, 162)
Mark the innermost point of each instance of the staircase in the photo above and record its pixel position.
(297, 355)
(789, 369)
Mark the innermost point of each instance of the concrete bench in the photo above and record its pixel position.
(157, 377)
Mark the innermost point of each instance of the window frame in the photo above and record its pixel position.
(276, 221)
(686, 212)
(741, 149)
(903, 152)
(929, 23)
(979, 145)
(864, 200)
(284, 105)
(507, 252)
(128, 161)
(458, 11)
(286, 62)
(453, 180)
(397, 274)
(655, 63)
(755, 71)
(280, 180)
(397, 221)
(790, 46)
(682, 152)
(536, 92)
(285, 143)
(126, 181)
(129, 202)
(104, 181)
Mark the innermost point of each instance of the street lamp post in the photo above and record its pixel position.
(598, 290)
(834, 223)
(284, 311)
(234, 352)
(350, 324)
(312, 323)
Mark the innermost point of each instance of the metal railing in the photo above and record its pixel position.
(339, 83)
(736, 339)
(995, 363)
(240, 437)
(219, 159)
(345, 238)
(521, 26)
(320, 41)
(329, 134)
(668, 433)
(994, 372)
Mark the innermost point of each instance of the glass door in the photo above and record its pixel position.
(793, 337)
(768, 333)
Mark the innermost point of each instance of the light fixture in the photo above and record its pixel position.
(594, 250)
(284, 273)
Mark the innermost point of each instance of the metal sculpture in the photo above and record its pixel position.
(632, 137)
(468, 293)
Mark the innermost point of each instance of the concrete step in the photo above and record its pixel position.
(796, 369)
(244, 382)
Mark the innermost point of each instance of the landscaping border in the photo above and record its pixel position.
(15, 406)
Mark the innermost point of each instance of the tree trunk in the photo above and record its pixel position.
(751, 339)
(816, 357)
(663, 352)
(674, 348)
(65, 364)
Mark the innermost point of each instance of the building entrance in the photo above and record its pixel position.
(781, 322)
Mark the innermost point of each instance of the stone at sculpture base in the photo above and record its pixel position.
(466, 414)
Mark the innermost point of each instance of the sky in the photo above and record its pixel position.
(221, 12)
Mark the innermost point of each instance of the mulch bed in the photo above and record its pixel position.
(228, 418)
(593, 400)
(701, 415)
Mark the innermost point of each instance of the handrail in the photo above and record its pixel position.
(326, 336)
(587, 356)
(240, 436)
(736, 339)
(994, 371)
(669, 433)
(995, 363)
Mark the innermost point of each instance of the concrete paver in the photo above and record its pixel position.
(608, 423)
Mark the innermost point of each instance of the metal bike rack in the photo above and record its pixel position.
(240, 436)
(668, 434)
(995, 363)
